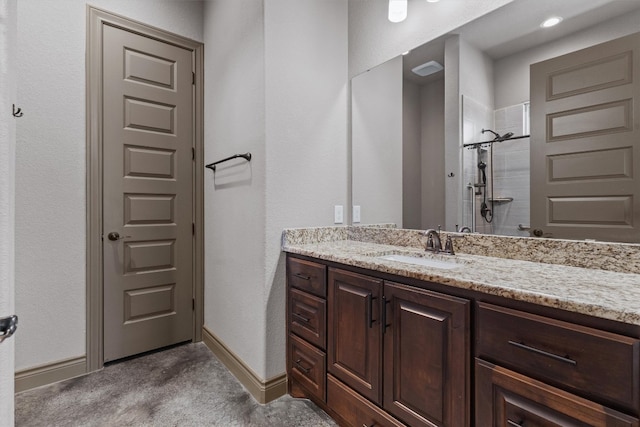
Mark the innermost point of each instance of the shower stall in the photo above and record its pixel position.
(495, 169)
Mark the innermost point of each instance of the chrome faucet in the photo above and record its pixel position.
(464, 229)
(434, 244)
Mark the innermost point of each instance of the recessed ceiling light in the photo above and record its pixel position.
(555, 20)
(406, 53)
(433, 1)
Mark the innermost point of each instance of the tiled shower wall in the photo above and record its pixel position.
(509, 161)
(511, 171)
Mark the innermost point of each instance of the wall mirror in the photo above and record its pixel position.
(418, 122)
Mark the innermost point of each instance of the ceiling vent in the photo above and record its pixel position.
(427, 68)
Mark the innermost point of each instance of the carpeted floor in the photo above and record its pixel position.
(182, 386)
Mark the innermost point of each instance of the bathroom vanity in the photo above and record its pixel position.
(468, 340)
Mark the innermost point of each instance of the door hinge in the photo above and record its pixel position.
(193, 228)
(193, 77)
(193, 153)
(193, 303)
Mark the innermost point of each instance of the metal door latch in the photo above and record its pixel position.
(8, 326)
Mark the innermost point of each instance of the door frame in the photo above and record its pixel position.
(96, 18)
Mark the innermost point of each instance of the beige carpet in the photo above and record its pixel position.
(182, 386)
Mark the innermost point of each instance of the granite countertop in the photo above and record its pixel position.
(595, 292)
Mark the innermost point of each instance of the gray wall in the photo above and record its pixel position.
(306, 137)
(8, 18)
(432, 156)
(235, 199)
(423, 155)
(411, 155)
(284, 99)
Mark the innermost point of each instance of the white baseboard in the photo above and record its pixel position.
(262, 391)
(50, 373)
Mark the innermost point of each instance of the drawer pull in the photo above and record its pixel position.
(544, 353)
(302, 368)
(301, 317)
(302, 276)
(514, 424)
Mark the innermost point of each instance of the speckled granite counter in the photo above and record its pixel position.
(611, 295)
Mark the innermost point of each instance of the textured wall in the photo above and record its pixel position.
(306, 130)
(374, 40)
(284, 99)
(8, 19)
(50, 167)
(235, 197)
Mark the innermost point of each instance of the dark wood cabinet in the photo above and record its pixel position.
(562, 354)
(534, 370)
(426, 357)
(306, 328)
(507, 399)
(426, 348)
(371, 351)
(355, 346)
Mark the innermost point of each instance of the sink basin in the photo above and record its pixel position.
(427, 262)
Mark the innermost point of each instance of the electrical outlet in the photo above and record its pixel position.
(338, 214)
(356, 213)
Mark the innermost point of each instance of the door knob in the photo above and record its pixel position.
(114, 235)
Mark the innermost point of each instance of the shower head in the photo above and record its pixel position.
(482, 166)
(507, 135)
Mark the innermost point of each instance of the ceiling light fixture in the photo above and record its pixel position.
(427, 68)
(555, 20)
(433, 1)
(397, 10)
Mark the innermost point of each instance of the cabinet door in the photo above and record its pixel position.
(506, 398)
(426, 357)
(354, 349)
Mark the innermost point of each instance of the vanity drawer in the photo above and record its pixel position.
(308, 276)
(308, 366)
(600, 364)
(307, 317)
(506, 398)
(355, 409)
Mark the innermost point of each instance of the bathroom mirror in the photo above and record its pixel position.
(408, 131)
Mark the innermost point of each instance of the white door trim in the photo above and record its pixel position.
(96, 18)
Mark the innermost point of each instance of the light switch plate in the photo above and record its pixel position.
(338, 217)
(356, 213)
